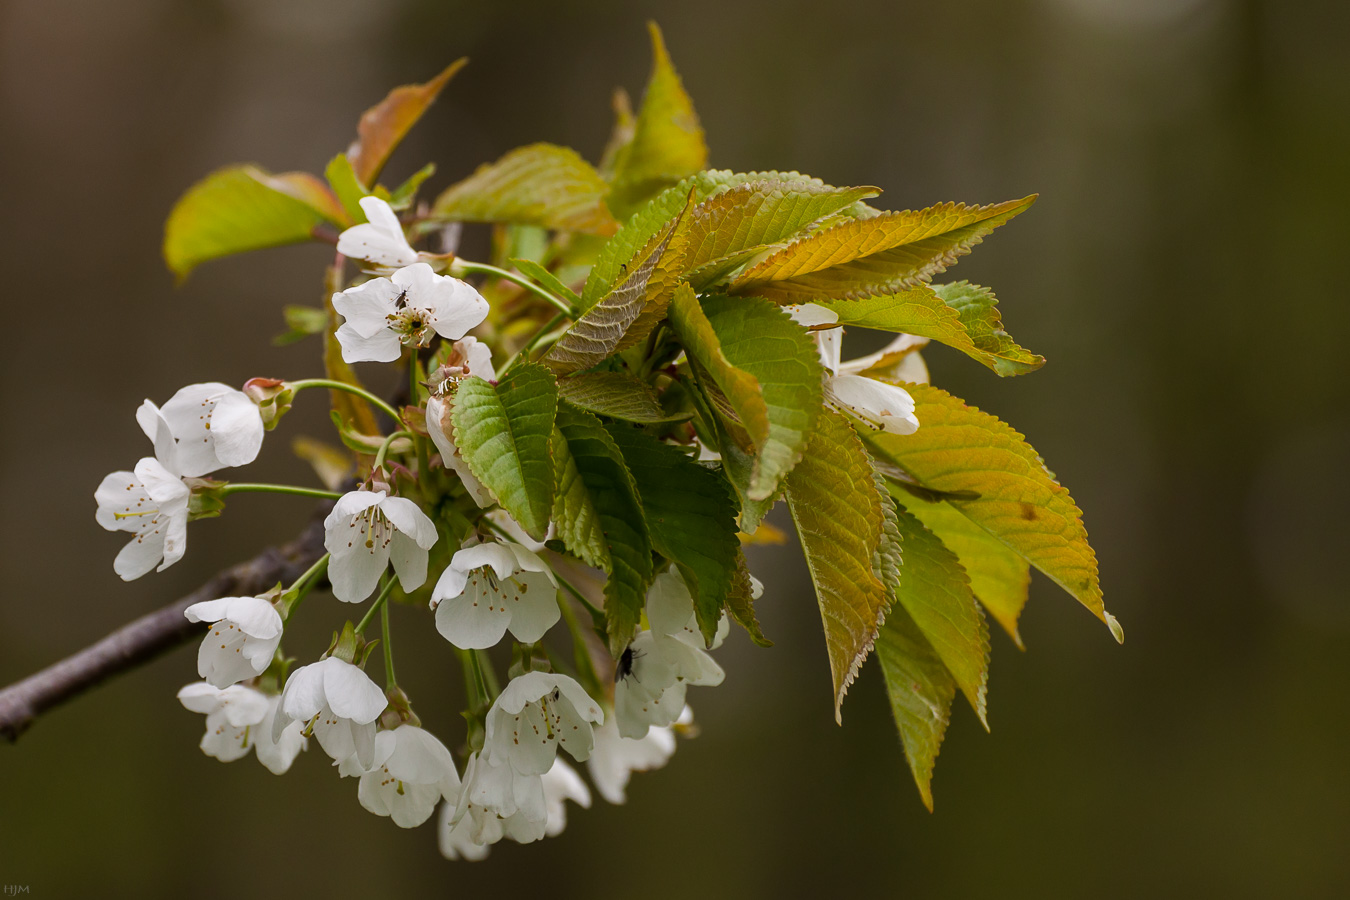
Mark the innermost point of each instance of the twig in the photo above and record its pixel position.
(150, 635)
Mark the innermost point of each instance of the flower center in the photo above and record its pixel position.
(414, 326)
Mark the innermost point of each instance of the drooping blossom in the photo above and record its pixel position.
(244, 635)
(378, 240)
(240, 718)
(882, 406)
(151, 502)
(412, 771)
(493, 587)
(656, 669)
(340, 703)
(213, 426)
(365, 532)
(469, 356)
(537, 713)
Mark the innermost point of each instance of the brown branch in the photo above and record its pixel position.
(153, 634)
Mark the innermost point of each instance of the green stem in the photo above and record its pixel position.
(389, 680)
(375, 607)
(475, 660)
(463, 265)
(298, 386)
(304, 584)
(384, 448)
(580, 652)
(597, 615)
(245, 488)
(419, 442)
(524, 352)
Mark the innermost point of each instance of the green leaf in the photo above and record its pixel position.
(691, 515)
(617, 396)
(667, 142)
(741, 602)
(405, 193)
(959, 448)
(767, 367)
(384, 125)
(601, 497)
(301, 322)
(998, 576)
(878, 255)
(978, 308)
(935, 591)
(837, 509)
(921, 691)
(539, 184)
(973, 326)
(731, 226)
(347, 186)
(241, 208)
(503, 434)
(603, 328)
(574, 516)
(532, 269)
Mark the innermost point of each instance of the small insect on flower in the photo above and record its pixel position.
(624, 667)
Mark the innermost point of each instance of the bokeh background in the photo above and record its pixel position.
(1183, 272)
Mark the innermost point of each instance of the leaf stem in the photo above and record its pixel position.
(384, 447)
(390, 682)
(304, 584)
(463, 265)
(298, 386)
(375, 607)
(248, 488)
(580, 652)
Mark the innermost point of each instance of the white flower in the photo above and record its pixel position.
(368, 529)
(537, 713)
(615, 757)
(885, 407)
(469, 357)
(380, 239)
(656, 669)
(212, 426)
(241, 643)
(488, 588)
(562, 783)
(152, 503)
(497, 803)
(340, 702)
(412, 771)
(278, 751)
(232, 717)
(408, 308)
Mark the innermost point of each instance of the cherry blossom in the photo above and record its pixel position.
(242, 640)
(412, 771)
(408, 308)
(492, 587)
(380, 239)
(468, 357)
(882, 406)
(339, 702)
(151, 502)
(537, 713)
(213, 426)
(365, 532)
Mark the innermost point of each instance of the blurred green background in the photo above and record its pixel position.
(1183, 272)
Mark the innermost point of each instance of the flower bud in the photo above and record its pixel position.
(273, 397)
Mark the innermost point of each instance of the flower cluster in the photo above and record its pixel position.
(380, 538)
